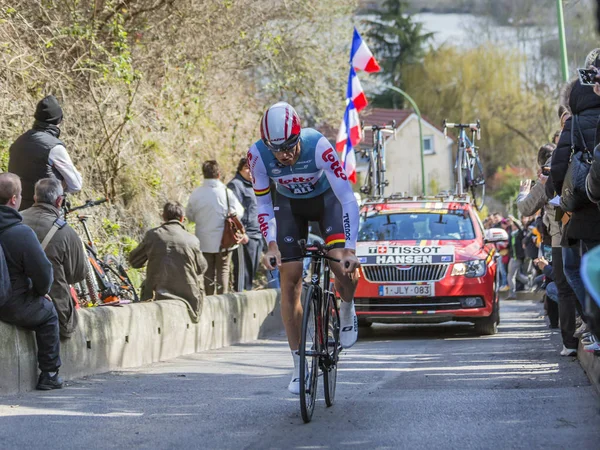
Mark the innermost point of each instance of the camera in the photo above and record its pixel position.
(546, 171)
(588, 77)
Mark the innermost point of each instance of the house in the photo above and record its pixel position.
(403, 153)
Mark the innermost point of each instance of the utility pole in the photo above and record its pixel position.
(564, 65)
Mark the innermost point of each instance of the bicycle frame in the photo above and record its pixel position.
(375, 181)
(467, 152)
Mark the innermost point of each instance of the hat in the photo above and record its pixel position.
(49, 111)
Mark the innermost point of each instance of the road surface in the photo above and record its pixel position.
(428, 387)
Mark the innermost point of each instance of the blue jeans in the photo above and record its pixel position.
(571, 266)
(552, 291)
(502, 271)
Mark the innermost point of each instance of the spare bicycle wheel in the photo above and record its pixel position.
(332, 328)
(309, 353)
(118, 276)
(477, 185)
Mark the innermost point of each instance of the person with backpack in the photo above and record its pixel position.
(30, 274)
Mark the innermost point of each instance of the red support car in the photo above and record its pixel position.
(427, 260)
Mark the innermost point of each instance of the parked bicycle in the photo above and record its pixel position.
(320, 336)
(375, 182)
(106, 281)
(469, 170)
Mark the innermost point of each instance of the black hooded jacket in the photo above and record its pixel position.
(585, 222)
(29, 269)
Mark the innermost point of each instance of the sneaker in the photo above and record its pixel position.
(581, 330)
(568, 351)
(504, 289)
(348, 325)
(47, 382)
(294, 386)
(593, 347)
(587, 338)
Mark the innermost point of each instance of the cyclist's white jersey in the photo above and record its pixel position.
(317, 169)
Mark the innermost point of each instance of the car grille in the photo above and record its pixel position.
(382, 274)
(386, 304)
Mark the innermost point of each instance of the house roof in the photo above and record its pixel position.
(376, 116)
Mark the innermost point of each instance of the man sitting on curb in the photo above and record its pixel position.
(62, 246)
(175, 262)
(31, 278)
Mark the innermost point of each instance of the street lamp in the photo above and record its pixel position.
(562, 41)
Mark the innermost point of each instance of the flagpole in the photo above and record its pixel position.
(418, 112)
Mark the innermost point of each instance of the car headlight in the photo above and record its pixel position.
(470, 269)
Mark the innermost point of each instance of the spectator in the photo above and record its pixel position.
(517, 257)
(207, 208)
(31, 278)
(39, 153)
(251, 251)
(582, 229)
(529, 201)
(63, 248)
(551, 293)
(175, 262)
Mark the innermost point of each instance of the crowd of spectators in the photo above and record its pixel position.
(547, 247)
(42, 257)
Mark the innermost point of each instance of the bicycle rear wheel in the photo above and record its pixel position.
(118, 276)
(332, 327)
(477, 186)
(309, 352)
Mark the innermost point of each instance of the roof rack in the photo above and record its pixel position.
(404, 198)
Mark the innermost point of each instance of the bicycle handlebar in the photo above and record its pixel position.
(312, 250)
(475, 127)
(87, 204)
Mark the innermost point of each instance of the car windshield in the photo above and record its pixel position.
(407, 226)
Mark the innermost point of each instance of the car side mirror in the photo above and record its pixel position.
(493, 235)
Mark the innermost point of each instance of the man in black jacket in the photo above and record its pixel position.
(241, 185)
(31, 279)
(39, 153)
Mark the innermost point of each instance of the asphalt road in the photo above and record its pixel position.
(428, 387)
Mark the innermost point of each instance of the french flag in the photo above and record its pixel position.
(355, 91)
(350, 127)
(361, 57)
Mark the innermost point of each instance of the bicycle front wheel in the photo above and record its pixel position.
(309, 352)
(332, 327)
(477, 186)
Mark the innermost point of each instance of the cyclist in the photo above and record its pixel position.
(311, 185)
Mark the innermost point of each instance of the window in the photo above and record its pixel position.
(428, 145)
(450, 225)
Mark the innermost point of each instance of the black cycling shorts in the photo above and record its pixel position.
(292, 217)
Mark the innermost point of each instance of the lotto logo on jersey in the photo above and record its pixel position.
(329, 156)
(285, 181)
(264, 226)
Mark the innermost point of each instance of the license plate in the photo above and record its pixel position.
(407, 290)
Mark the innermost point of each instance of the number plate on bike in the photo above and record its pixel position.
(407, 290)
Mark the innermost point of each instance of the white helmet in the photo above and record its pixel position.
(280, 127)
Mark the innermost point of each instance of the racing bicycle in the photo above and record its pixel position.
(375, 182)
(106, 280)
(320, 336)
(469, 170)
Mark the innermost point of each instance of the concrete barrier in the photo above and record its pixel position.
(591, 365)
(112, 338)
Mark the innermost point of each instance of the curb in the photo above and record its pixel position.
(591, 365)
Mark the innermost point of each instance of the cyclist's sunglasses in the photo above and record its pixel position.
(286, 146)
